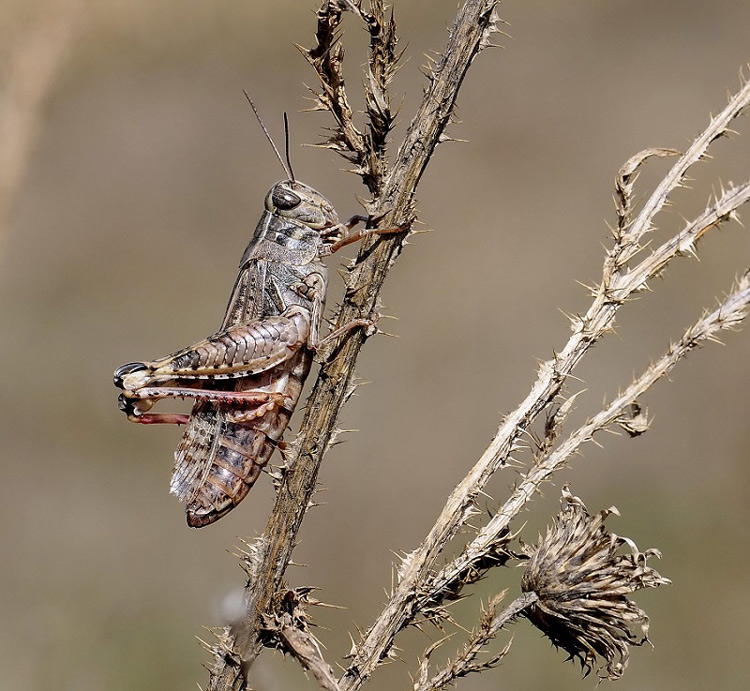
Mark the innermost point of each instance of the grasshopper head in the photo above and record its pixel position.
(299, 202)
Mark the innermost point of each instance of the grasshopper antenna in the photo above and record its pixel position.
(288, 170)
(286, 147)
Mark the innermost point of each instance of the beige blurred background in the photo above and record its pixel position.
(124, 220)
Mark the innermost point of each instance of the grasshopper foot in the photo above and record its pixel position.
(135, 409)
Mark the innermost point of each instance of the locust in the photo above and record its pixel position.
(246, 379)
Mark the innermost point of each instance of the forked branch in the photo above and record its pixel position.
(466, 662)
(418, 586)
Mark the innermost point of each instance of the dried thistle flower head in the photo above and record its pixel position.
(582, 580)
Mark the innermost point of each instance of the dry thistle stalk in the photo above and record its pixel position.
(419, 585)
(286, 627)
(730, 312)
(392, 201)
(468, 660)
(575, 589)
(582, 580)
(578, 551)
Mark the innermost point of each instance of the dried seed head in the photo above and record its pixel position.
(582, 583)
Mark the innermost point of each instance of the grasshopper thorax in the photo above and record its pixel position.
(300, 203)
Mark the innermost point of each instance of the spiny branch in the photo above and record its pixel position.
(617, 285)
(327, 59)
(625, 182)
(731, 311)
(366, 151)
(466, 662)
(392, 188)
(288, 628)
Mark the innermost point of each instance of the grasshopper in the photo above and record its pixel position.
(246, 379)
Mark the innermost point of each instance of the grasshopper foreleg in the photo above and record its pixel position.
(359, 235)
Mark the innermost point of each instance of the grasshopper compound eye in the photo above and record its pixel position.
(283, 199)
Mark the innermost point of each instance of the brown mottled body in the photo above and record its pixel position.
(247, 378)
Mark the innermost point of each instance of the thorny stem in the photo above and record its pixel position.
(366, 151)
(615, 288)
(382, 65)
(392, 196)
(729, 313)
(326, 58)
(465, 662)
(237, 649)
(306, 650)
